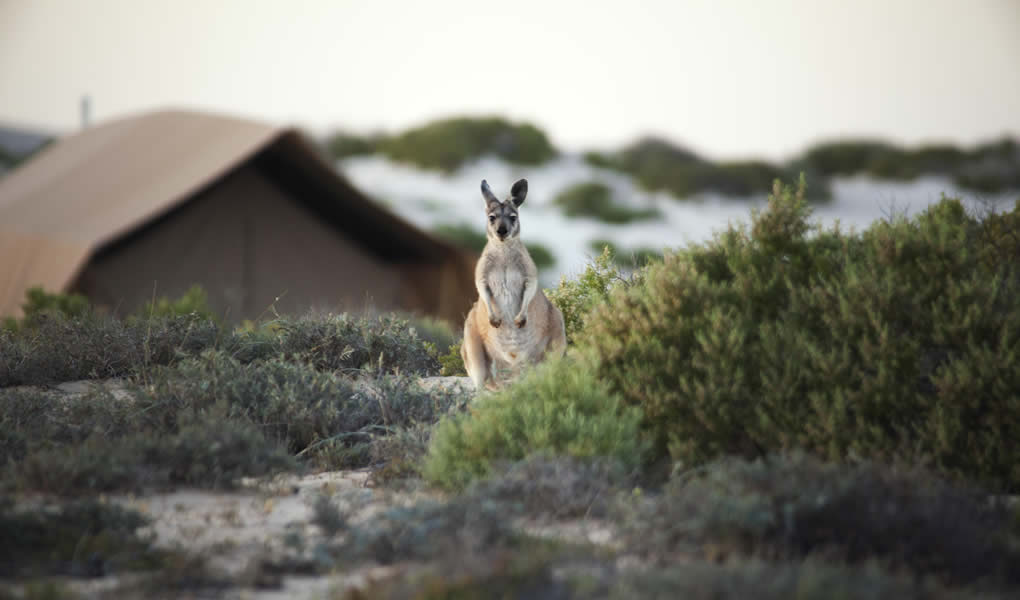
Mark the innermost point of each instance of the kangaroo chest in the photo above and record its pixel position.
(507, 286)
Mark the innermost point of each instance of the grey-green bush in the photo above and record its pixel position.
(790, 507)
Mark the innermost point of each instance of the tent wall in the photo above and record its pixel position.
(247, 242)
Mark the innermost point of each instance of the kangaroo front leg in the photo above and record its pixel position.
(530, 289)
(486, 295)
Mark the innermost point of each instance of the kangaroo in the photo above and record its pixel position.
(512, 324)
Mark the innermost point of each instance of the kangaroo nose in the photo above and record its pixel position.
(501, 230)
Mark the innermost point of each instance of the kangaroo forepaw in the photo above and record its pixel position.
(521, 321)
(495, 322)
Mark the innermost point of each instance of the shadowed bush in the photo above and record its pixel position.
(595, 200)
(58, 348)
(554, 487)
(809, 580)
(900, 341)
(78, 539)
(561, 575)
(428, 531)
(449, 143)
(555, 408)
(792, 506)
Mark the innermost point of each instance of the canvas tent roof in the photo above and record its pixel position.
(90, 189)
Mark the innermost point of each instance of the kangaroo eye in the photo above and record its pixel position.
(513, 218)
(492, 219)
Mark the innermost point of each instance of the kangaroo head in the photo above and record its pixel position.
(503, 223)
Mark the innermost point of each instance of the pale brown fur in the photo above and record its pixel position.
(512, 324)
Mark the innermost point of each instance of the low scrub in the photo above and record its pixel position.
(552, 575)
(208, 420)
(77, 539)
(428, 531)
(790, 507)
(555, 487)
(338, 343)
(447, 144)
(55, 347)
(595, 200)
(900, 341)
(310, 412)
(211, 454)
(557, 408)
(808, 580)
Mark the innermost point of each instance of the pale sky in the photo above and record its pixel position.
(730, 79)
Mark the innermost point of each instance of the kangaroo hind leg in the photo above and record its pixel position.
(472, 351)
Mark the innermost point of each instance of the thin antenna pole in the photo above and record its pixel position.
(86, 110)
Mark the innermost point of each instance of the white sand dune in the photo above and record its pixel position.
(428, 198)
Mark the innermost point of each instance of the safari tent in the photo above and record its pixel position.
(152, 204)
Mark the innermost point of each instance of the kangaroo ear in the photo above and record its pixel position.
(490, 198)
(519, 192)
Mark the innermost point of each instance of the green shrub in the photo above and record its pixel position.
(556, 408)
(992, 167)
(194, 301)
(39, 303)
(577, 297)
(340, 144)
(789, 507)
(849, 157)
(452, 362)
(635, 258)
(594, 199)
(657, 164)
(989, 168)
(899, 341)
(449, 143)
(434, 331)
(733, 178)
